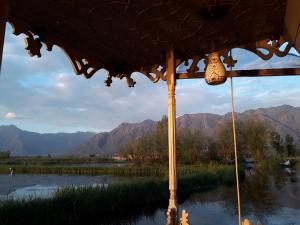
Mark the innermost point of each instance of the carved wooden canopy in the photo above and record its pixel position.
(125, 36)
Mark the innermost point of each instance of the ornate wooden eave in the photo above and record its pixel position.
(133, 36)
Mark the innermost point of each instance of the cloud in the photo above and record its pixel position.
(11, 116)
(81, 109)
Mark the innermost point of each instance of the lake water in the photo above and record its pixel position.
(272, 200)
(26, 186)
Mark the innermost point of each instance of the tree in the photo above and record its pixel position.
(277, 143)
(252, 137)
(256, 137)
(224, 139)
(5, 155)
(290, 146)
(192, 146)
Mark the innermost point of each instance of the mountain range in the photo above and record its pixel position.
(25, 143)
(285, 119)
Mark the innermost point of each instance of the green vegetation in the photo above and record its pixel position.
(255, 138)
(4, 155)
(135, 171)
(117, 204)
(252, 138)
(283, 149)
(48, 161)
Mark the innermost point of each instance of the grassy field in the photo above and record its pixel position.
(116, 204)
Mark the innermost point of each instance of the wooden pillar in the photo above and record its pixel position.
(172, 213)
(3, 20)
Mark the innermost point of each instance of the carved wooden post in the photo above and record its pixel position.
(172, 213)
(3, 20)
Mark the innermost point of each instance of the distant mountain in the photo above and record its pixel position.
(108, 143)
(285, 119)
(25, 143)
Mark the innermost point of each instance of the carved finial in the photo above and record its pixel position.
(184, 218)
(248, 222)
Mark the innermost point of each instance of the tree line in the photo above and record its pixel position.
(255, 138)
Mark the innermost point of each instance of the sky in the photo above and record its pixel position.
(44, 94)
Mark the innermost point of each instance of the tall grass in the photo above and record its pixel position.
(118, 171)
(136, 171)
(116, 204)
(47, 161)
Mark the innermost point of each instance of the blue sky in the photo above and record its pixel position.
(44, 94)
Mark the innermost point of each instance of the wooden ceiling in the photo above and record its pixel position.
(124, 36)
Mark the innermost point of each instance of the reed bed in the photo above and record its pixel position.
(47, 161)
(133, 171)
(120, 203)
(118, 171)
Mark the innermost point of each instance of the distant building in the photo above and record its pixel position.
(118, 158)
(130, 157)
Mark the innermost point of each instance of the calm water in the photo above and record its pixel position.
(272, 200)
(30, 186)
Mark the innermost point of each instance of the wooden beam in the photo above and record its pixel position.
(3, 19)
(246, 73)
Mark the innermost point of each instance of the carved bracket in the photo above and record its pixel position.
(271, 46)
(129, 80)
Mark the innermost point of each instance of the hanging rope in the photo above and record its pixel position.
(235, 151)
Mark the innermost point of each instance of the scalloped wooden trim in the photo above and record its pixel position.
(82, 66)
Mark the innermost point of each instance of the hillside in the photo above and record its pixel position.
(108, 143)
(285, 119)
(25, 143)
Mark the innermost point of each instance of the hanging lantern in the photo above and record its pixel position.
(215, 72)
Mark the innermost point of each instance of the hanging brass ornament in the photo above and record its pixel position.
(215, 72)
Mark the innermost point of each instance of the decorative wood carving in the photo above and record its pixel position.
(94, 35)
(272, 46)
(184, 218)
(33, 45)
(248, 222)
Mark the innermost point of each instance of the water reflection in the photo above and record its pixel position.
(24, 186)
(272, 199)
